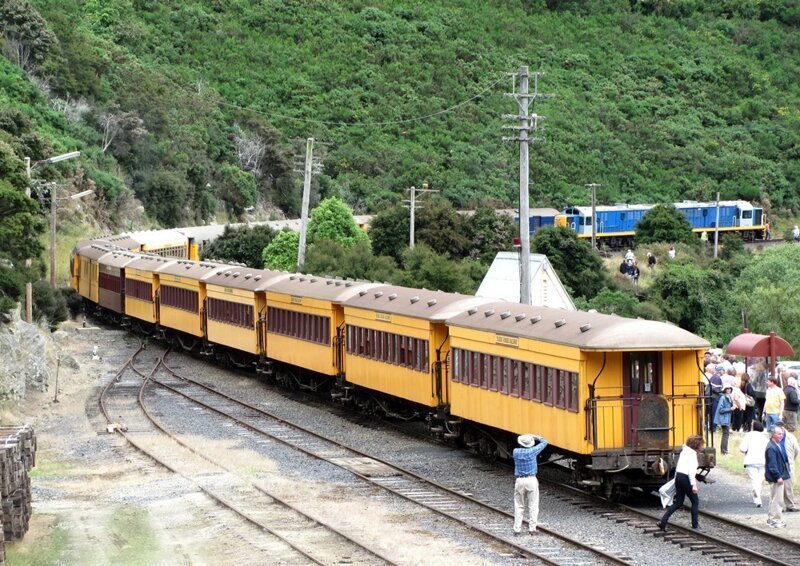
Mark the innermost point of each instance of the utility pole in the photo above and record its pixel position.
(412, 206)
(301, 252)
(53, 235)
(716, 230)
(28, 285)
(527, 123)
(593, 187)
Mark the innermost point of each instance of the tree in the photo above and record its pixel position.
(165, 196)
(48, 304)
(281, 253)
(115, 123)
(439, 226)
(250, 148)
(423, 267)
(664, 223)
(694, 298)
(578, 267)
(333, 220)
(242, 245)
(332, 259)
(389, 232)
(488, 233)
(28, 41)
(769, 290)
(238, 190)
(20, 225)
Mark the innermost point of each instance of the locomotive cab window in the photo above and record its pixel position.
(746, 214)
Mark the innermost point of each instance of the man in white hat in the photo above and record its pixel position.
(526, 487)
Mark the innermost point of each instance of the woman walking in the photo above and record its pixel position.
(754, 446)
(686, 482)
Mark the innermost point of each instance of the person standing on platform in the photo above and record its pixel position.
(722, 417)
(773, 405)
(776, 472)
(789, 449)
(792, 401)
(526, 486)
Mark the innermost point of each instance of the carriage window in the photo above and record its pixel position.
(643, 372)
(549, 385)
(636, 378)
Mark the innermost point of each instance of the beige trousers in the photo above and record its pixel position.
(788, 494)
(526, 496)
(775, 501)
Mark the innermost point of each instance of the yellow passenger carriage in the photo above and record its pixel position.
(305, 321)
(85, 269)
(181, 297)
(141, 288)
(111, 280)
(396, 340)
(236, 310)
(618, 396)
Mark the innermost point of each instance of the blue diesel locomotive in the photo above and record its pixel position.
(616, 225)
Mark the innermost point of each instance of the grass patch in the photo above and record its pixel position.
(44, 550)
(47, 468)
(133, 535)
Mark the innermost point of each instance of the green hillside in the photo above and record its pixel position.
(655, 100)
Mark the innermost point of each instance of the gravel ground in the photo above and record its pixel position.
(727, 496)
(98, 501)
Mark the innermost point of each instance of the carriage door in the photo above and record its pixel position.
(646, 415)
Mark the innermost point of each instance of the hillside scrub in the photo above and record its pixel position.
(656, 101)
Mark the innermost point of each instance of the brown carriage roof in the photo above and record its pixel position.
(323, 288)
(150, 262)
(119, 258)
(418, 303)
(198, 270)
(245, 278)
(96, 251)
(124, 241)
(584, 330)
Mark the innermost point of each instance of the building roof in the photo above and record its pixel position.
(502, 281)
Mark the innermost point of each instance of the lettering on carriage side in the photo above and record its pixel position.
(177, 279)
(386, 317)
(297, 300)
(507, 340)
(228, 290)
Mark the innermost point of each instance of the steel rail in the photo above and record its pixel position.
(486, 506)
(203, 489)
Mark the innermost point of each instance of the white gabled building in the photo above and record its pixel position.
(502, 282)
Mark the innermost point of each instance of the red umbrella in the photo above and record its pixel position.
(760, 346)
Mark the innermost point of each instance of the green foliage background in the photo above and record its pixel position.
(656, 100)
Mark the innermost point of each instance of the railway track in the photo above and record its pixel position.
(722, 538)
(293, 536)
(487, 521)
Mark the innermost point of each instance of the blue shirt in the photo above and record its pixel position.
(525, 458)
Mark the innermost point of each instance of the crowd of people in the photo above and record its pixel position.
(630, 267)
(765, 418)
